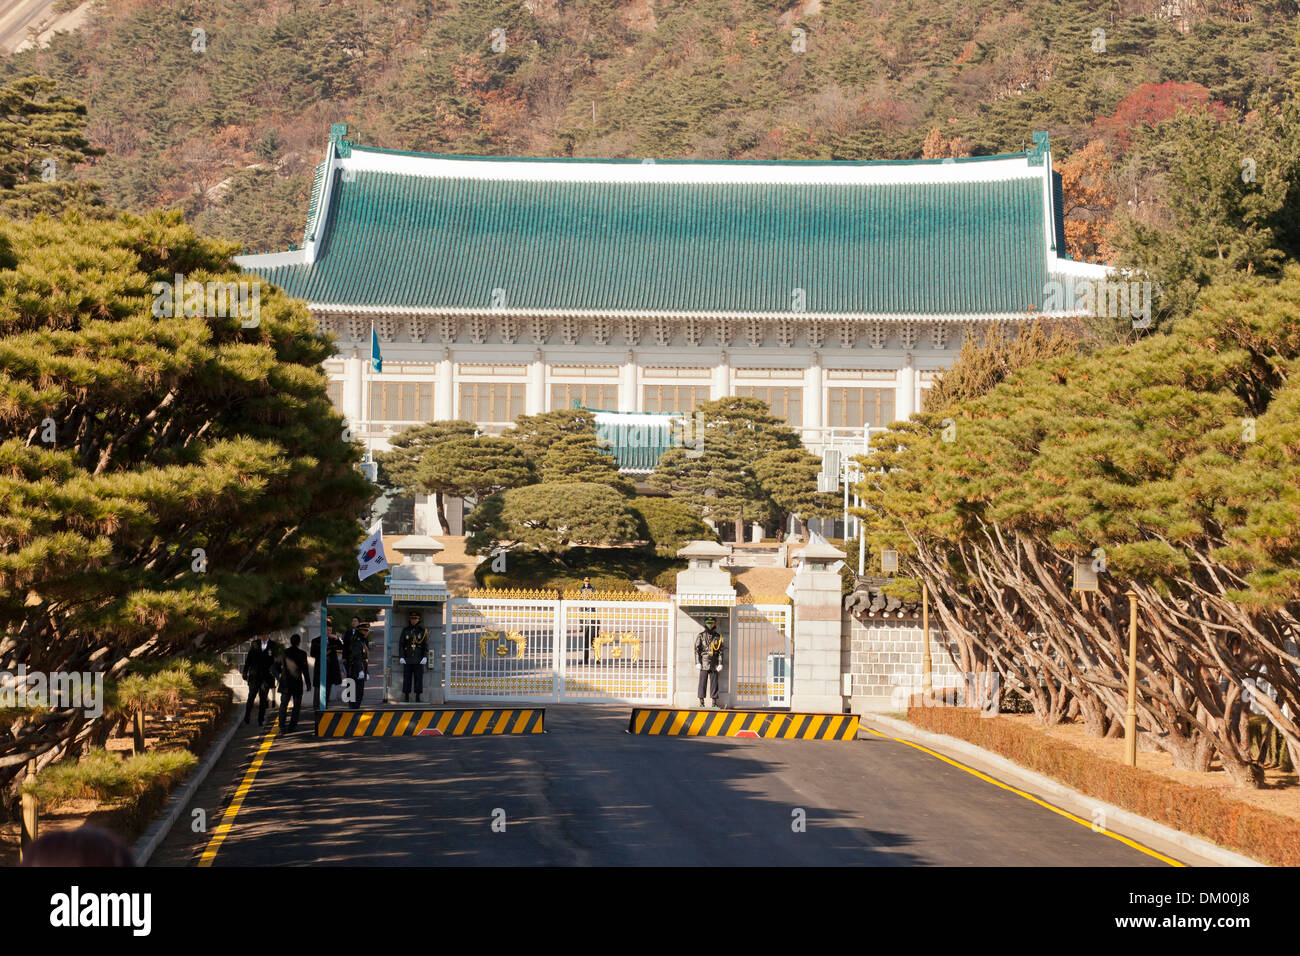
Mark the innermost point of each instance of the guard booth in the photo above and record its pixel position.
(416, 585)
(335, 602)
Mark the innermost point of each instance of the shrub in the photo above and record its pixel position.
(105, 776)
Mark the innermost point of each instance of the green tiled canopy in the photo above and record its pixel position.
(405, 240)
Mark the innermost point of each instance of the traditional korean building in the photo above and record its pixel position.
(499, 286)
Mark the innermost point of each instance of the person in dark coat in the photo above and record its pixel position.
(708, 660)
(331, 668)
(590, 620)
(259, 672)
(295, 675)
(414, 654)
(350, 635)
(356, 656)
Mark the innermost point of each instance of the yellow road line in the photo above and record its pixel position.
(237, 802)
(1033, 799)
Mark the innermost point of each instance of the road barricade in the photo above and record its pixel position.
(438, 722)
(693, 722)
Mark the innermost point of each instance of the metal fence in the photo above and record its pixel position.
(761, 655)
(556, 650)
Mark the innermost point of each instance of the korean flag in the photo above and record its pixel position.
(371, 556)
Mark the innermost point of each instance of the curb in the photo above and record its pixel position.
(157, 832)
(1046, 786)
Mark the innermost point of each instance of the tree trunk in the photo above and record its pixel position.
(740, 531)
(442, 512)
(138, 731)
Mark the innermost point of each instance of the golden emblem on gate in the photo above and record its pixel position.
(503, 642)
(632, 642)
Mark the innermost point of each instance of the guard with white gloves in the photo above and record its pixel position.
(414, 655)
(708, 660)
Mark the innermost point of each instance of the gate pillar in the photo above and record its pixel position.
(704, 589)
(817, 630)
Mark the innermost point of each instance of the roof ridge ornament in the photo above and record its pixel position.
(342, 146)
(1042, 146)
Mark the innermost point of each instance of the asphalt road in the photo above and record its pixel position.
(587, 793)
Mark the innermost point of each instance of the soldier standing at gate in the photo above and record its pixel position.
(708, 660)
(414, 655)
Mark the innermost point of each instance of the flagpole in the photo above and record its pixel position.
(370, 361)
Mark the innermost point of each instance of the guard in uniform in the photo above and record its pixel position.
(414, 655)
(708, 660)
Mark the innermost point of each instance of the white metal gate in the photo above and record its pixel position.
(506, 648)
(761, 655)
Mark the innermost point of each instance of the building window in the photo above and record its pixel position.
(858, 407)
(785, 403)
(674, 398)
(401, 401)
(588, 396)
(491, 401)
(334, 389)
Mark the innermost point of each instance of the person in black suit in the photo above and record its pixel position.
(295, 675)
(259, 671)
(329, 667)
(357, 661)
(350, 635)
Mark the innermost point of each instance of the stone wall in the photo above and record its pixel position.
(885, 664)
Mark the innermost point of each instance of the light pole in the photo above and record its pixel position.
(1130, 716)
(927, 682)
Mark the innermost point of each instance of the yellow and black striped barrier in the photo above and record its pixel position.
(451, 722)
(691, 722)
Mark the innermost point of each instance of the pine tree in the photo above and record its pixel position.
(399, 468)
(714, 471)
(169, 482)
(42, 137)
(580, 458)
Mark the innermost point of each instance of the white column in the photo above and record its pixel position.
(721, 385)
(352, 388)
(905, 397)
(813, 394)
(535, 390)
(444, 397)
(629, 399)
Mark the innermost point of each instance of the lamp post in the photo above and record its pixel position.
(927, 682)
(1130, 715)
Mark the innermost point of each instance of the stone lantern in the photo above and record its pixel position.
(705, 582)
(417, 574)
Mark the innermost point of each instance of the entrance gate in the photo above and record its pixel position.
(761, 655)
(548, 650)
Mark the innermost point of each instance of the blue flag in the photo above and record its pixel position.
(376, 359)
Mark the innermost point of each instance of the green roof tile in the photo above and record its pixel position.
(416, 241)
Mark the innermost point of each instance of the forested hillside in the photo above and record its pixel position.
(227, 123)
